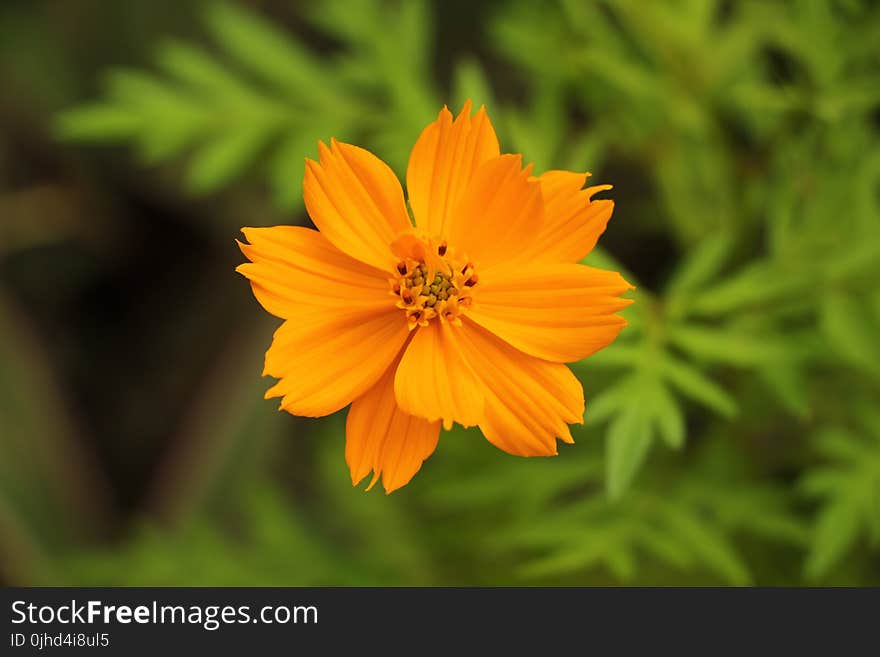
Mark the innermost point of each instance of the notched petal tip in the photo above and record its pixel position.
(516, 157)
(377, 476)
(595, 189)
(249, 233)
(272, 393)
(247, 250)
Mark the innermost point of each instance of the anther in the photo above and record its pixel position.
(442, 294)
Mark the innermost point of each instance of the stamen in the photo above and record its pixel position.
(440, 288)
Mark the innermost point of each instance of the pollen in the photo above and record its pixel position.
(440, 288)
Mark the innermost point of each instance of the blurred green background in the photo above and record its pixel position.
(733, 431)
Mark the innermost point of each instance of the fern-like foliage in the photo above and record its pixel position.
(663, 358)
(847, 486)
(749, 139)
(553, 515)
(264, 100)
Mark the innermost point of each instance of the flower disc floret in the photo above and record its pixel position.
(442, 289)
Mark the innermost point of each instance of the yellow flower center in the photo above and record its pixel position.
(441, 288)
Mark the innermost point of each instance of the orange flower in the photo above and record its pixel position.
(465, 314)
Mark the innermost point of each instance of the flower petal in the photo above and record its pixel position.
(326, 360)
(572, 221)
(558, 312)
(356, 201)
(500, 213)
(295, 269)
(434, 382)
(528, 402)
(381, 438)
(442, 163)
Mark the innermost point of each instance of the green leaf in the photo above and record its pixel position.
(628, 442)
(585, 151)
(756, 284)
(134, 88)
(572, 559)
(267, 92)
(170, 121)
(839, 444)
(268, 52)
(667, 415)
(611, 400)
(849, 484)
(622, 564)
(835, 533)
(787, 383)
(220, 160)
(200, 71)
(851, 332)
(665, 545)
(711, 547)
(693, 384)
(99, 122)
(701, 266)
(822, 482)
(727, 346)
(861, 259)
(287, 168)
(617, 356)
(470, 82)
